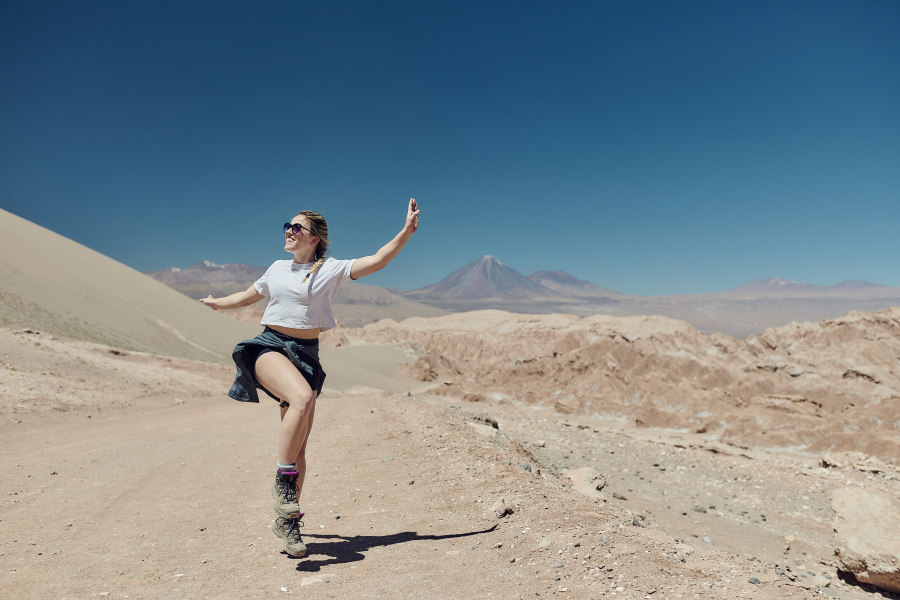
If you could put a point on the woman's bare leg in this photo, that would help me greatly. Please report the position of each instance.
(301, 456)
(278, 375)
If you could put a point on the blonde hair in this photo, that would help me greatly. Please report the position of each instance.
(318, 228)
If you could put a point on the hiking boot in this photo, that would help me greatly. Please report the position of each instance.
(285, 493)
(289, 532)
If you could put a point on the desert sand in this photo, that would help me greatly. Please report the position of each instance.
(126, 474)
(452, 457)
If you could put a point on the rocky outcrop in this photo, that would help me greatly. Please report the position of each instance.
(867, 536)
(830, 386)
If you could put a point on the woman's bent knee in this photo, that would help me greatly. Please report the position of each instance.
(301, 401)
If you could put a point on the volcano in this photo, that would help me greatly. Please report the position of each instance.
(482, 279)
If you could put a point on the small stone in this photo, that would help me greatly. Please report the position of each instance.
(619, 496)
(497, 545)
(336, 517)
(411, 481)
(506, 462)
(527, 467)
(284, 589)
(558, 565)
(753, 580)
(637, 522)
(789, 538)
(540, 443)
(544, 544)
(707, 540)
(387, 459)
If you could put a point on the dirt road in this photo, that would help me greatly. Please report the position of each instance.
(157, 497)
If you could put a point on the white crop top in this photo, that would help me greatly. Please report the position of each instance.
(302, 304)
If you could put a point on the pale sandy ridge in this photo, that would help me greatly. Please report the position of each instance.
(53, 284)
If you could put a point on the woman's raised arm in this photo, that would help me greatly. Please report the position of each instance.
(370, 264)
(238, 300)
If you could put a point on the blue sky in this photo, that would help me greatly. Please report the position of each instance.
(651, 147)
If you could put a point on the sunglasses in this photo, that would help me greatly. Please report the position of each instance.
(296, 228)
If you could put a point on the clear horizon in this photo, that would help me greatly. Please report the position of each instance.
(528, 274)
(653, 149)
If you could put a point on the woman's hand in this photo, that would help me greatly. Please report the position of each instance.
(210, 302)
(367, 265)
(412, 216)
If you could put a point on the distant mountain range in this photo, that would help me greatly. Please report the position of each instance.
(776, 284)
(488, 283)
(567, 285)
(207, 278)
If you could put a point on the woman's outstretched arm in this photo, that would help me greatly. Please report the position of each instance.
(369, 264)
(238, 300)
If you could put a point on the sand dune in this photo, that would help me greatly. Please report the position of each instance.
(53, 284)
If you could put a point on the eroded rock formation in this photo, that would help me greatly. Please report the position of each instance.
(831, 385)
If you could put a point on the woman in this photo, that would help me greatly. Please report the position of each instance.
(283, 361)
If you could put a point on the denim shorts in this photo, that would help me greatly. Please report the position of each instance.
(308, 360)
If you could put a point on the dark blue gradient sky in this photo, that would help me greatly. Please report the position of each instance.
(656, 148)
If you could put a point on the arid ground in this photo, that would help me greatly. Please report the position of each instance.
(132, 475)
(457, 456)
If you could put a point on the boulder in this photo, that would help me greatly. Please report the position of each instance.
(867, 536)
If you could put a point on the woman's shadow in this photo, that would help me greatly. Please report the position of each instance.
(350, 549)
